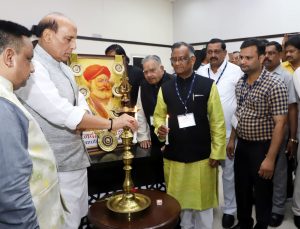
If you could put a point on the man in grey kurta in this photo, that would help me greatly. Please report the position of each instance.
(52, 97)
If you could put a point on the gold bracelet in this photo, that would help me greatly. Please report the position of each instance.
(293, 140)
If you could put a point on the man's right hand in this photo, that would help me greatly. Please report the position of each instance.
(125, 120)
(145, 144)
(162, 132)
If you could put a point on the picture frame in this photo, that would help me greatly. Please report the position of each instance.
(98, 78)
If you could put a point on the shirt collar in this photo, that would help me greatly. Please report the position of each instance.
(38, 50)
(6, 84)
(263, 73)
(277, 70)
(182, 80)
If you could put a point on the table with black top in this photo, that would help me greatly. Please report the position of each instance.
(106, 172)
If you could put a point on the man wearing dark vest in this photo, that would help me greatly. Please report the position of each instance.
(155, 76)
(189, 116)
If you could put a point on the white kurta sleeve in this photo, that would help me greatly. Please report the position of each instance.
(41, 94)
(82, 103)
(296, 79)
(143, 133)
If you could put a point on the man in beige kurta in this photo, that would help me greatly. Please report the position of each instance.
(29, 189)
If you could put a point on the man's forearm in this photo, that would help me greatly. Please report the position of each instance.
(93, 122)
(232, 134)
(293, 120)
(277, 137)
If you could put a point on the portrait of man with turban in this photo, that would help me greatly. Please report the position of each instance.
(98, 81)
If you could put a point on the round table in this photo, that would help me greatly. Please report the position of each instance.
(162, 213)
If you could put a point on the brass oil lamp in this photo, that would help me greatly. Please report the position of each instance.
(128, 201)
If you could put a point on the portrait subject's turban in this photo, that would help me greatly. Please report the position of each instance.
(92, 71)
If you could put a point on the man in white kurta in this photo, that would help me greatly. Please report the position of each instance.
(225, 75)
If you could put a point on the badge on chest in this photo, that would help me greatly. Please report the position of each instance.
(186, 120)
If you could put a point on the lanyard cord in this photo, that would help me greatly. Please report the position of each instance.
(208, 71)
(183, 102)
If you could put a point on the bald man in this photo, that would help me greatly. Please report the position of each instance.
(52, 97)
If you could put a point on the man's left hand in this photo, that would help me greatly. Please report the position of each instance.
(291, 149)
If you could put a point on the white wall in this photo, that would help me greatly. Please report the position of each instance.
(161, 21)
(235, 46)
(134, 20)
(200, 20)
(96, 47)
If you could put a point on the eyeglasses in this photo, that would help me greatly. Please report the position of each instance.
(181, 59)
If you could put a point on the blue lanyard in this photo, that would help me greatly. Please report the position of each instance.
(219, 75)
(188, 95)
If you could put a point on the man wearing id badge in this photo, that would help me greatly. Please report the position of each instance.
(189, 116)
(259, 124)
(225, 75)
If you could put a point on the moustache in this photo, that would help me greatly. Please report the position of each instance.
(213, 58)
(104, 88)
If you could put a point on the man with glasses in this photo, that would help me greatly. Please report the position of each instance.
(289, 146)
(52, 97)
(195, 130)
(225, 75)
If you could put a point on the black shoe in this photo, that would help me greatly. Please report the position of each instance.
(260, 225)
(297, 221)
(227, 220)
(239, 226)
(236, 226)
(276, 220)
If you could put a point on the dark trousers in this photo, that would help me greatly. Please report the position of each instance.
(248, 184)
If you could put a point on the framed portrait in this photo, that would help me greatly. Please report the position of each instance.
(98, 78)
